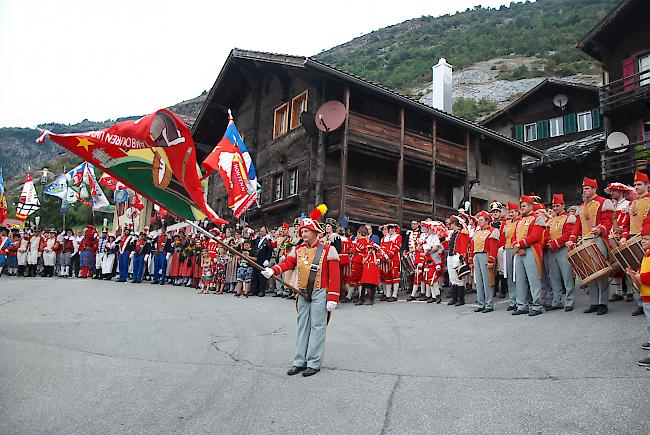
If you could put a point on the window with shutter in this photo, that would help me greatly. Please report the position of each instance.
(628, 70)
(595, 117)
(556, 127)
(570, 123)
(519, 132)
(542, 129)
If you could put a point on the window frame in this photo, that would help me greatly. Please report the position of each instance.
(486, 155)
(278, 193)
(644, 75)
(532, 125)
(560, 123)
(591, 121)
(295, 117)
(295, 187)
(284, 128)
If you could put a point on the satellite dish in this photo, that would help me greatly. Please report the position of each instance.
(330, 116)
(560, 100)
(617, 140)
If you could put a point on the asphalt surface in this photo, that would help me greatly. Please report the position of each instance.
(82, 356)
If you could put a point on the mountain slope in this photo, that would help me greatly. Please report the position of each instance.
(401, 56)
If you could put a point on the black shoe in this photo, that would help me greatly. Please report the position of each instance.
(591, 309)
(277, 295)
(430, 300)
(438, 299)
(548, 307)
(638, 312)
(452, 302)
(568, 308)
(511, 307)
(645, 346)
(459, 303)
(261, 295)
(534, 313)
(295, 370)
(602, 309)
(478, 309)
(309, 372)
(645, 362)
(518, 312)
(410, 298)
(488, 310)
(558, 307)
(616, 297)
(383, 298)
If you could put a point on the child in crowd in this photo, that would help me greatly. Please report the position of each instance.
(370, 275)
(206, 283)
(220, 269)
(244, 271)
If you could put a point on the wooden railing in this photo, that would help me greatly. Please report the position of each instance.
(384, 137)
(625, 160)
(624, 91)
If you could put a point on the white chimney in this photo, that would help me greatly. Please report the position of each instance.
(441, 98)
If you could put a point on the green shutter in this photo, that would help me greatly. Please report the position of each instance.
(595, 118)
(570, 123)
(519, 132)
(542, 129)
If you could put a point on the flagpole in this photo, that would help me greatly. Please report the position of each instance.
(241, 255)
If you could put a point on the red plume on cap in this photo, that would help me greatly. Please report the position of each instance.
(640, 176)
(513, 205)
(318, 212)
(558, 198)
(526, 198)
(645, 228)
(589, 183)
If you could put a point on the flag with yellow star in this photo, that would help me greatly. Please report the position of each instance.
(153, 155)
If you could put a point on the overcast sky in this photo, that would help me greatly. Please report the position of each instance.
(69, 60)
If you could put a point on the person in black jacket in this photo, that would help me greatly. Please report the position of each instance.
(142, 251)
(262, 252)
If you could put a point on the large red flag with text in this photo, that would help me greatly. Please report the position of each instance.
(154, 155)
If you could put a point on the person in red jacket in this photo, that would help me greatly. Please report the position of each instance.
(391, 244)
(483, 251)
(527, 247)
(325, 283)
(357, 253)
(371, 274)
(458, 250)
(560, 227)
(594, 221)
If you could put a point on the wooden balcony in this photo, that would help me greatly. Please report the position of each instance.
(626, 91)
(375, 136)
(625, 160)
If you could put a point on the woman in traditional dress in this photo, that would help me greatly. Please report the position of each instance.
(109, 259)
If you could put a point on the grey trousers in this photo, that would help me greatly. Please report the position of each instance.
(483, 290)
(599, 289)
(510, 266)
(561, 277)
(527, 280)
(312, 322)
(547, 293)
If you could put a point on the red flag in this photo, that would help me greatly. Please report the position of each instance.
(154, 155)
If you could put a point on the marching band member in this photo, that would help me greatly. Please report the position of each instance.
(126, 243)
(418, 278)
(594, 220)
(282, 245)
(344, 261)
(318, 271)
(390, 245)
(482, 251)
(49, 248)
(507, 232)
(639, 209)
(560, 227)
(526, 244)
(411, 240)
(620, 231)
(33, 252)
(498, 218)
(432, 264)
(371, 275)
(162, 248)
(23, 250)
(458, 247)
(358, 251)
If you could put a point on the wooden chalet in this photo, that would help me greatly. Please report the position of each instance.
(621, 42)
(393, 159)
(562, 119)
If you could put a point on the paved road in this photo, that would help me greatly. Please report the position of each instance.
(99, 357)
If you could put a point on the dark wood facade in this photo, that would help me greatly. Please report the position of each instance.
(570, 145)
(393, 159)
(621, 41)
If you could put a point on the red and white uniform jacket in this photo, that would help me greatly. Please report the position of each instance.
(621, 224)
(559, 230)
(461, 244)
(371, 272)
(390, 246)
(485, 240)
(344, 255)
(413, 237)
(329, 271)
(358, 250)
(598, 212)
(638, 211)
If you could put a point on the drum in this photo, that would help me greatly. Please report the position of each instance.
(629, 254)
(588, 262)
(408, 263)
